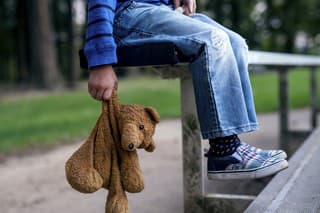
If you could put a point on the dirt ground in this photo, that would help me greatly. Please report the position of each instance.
(36, 183)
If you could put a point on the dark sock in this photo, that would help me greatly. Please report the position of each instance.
(220, 147)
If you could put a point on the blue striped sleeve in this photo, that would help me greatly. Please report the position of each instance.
(100, 47)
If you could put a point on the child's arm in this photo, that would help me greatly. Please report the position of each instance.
(100, 48)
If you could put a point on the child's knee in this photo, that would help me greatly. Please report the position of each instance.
(218, 40)
(237, 40)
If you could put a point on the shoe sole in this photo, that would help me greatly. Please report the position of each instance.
(251, 173)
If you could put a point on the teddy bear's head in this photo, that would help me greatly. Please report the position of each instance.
(137, 127)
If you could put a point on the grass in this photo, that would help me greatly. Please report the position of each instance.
(265, 89)
(69, 116)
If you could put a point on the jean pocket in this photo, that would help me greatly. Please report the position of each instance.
(122, 11)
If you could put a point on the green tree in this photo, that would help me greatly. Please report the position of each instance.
(43, 52)
(269, 24)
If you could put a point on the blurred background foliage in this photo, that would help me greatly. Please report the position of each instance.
(272, 25)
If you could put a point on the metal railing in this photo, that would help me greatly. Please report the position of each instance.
(282, 63)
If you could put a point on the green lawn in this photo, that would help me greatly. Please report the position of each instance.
(265, 89)
(69, 116)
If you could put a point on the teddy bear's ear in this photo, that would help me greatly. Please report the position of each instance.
(153, 114)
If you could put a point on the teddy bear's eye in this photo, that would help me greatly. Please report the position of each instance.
(141, 127)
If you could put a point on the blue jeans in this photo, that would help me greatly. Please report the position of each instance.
(219, 64)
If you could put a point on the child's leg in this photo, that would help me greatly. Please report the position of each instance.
(221, 100)
(221, 83)
(240, 50)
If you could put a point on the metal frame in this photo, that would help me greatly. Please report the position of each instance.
(196, 200)
(285, 133)
(281, 62)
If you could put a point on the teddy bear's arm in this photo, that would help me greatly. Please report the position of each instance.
(80, 171)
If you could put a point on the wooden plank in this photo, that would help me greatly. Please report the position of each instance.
(192, 150)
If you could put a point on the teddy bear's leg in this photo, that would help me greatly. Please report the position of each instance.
(131, 175)
(102, 151)
(80, 171)
(117, 201)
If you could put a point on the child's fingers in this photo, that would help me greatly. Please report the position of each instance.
(176, 3)
(190, 6)
(187, 11)
(99, 95)
(92, 92)
(115, 81)
(194, 7)
(107, 94)
(116, 85)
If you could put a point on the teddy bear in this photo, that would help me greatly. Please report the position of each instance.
(109, 159)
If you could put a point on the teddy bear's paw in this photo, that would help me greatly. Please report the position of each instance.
(132, 181)
(117, 204)
(85, 181)
(134, 187)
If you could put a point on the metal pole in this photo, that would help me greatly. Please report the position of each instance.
(314, 102)
(284, 108)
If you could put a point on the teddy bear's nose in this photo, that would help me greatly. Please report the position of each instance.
(131, 146)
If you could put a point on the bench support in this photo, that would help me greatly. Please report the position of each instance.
(286, 134)
(196, 199)
(192, 150)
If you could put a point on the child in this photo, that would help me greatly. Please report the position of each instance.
(219, 71)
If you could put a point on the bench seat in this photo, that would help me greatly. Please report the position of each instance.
(149, 54)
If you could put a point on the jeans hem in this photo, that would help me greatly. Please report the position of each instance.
(230, 131)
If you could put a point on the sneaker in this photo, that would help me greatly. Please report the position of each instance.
(244, 163)
(266, 153)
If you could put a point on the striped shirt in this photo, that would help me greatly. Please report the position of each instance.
(100, 47)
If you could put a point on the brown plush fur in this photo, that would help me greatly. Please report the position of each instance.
(108, 159)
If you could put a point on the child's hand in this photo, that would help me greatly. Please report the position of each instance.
(188, 6)
(102, 81)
